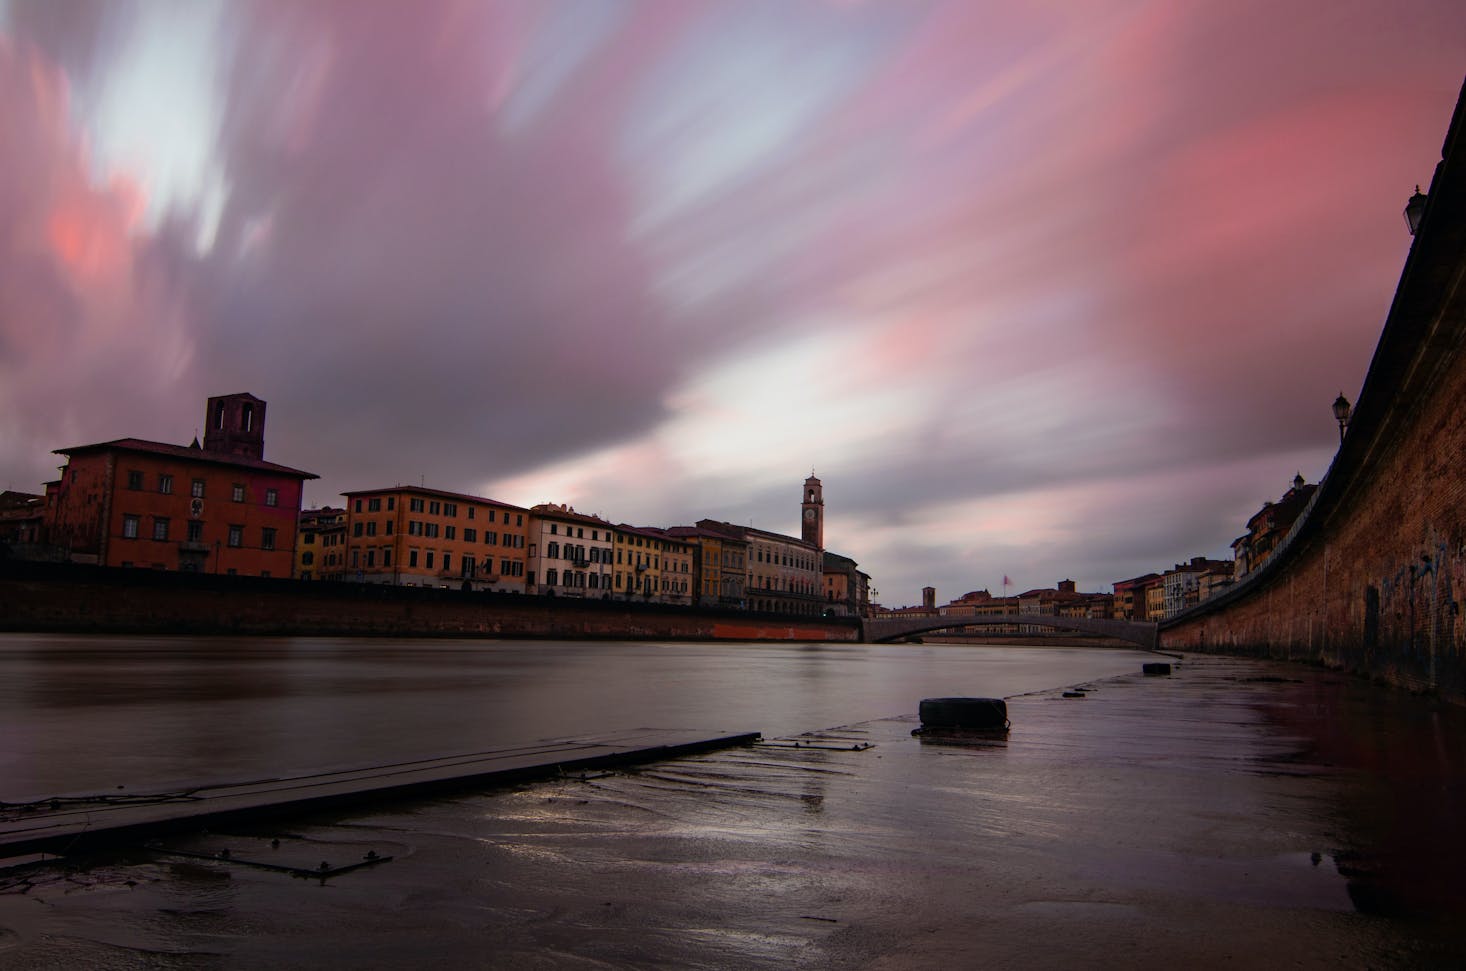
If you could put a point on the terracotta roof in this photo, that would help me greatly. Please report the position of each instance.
(435, 493)
(187, 453)
(548, 510)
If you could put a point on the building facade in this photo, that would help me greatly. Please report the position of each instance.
(571, 554)
(320, 552)
(218, 507)
(420, 537)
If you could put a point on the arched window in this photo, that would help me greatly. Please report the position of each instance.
(247, 418)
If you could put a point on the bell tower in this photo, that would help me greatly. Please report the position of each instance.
(235, 425)
(812, 525)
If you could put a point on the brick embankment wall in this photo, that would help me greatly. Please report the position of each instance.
(39, 597)
(1372, 577)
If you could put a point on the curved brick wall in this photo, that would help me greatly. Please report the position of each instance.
(1373, 576)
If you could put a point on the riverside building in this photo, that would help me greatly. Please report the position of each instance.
(570, 553)
(215, 507)
(419, 537)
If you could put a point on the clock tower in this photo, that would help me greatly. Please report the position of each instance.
(812, 527)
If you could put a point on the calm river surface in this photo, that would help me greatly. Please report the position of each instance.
(92, 714)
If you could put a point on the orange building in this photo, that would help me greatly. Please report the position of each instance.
(419, 537)
(218, 507)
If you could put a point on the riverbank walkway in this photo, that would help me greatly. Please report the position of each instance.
(1235, 813)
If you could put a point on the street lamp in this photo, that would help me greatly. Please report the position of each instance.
(1341, 414)
(1414, 209)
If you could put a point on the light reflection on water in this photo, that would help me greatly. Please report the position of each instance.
(91, 714)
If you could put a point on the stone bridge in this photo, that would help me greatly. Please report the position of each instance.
(886, 629)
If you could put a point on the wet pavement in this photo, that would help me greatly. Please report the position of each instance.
(1236, 813)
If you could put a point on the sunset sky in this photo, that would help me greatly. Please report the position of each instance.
(1046, 290)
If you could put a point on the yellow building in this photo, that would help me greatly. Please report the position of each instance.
(320, 546)
(420, 537)
(677, 581)
(639, 555)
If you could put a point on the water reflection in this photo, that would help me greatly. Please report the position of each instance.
(86, 714)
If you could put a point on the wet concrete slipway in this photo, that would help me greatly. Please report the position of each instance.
(1234, 814)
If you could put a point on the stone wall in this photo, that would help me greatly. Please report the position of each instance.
(40, 597)
(1372, 576)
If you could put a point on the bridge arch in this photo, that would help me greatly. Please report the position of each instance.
(877, 629)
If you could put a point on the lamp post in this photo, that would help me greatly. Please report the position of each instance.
(1414, 209)
(1341, 414)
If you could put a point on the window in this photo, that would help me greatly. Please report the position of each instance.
(129, 527)
(371, 558)
(387, 556)
(238, 495)
(134, 480)
(554, 529)
(356, 529)
(236, 535)
(414, 528)
(491, 516)
(372, 528)
(414, 505)
(552, 551)
(450, 532)
(160, 527)
(391, 503)
(272, 497)
(491, 538)
(389, 527)
(447, 562)
(357, 507)
(429, 561)
(450, 508)
(412, 557)
(433, 507)
(430, 529)
(374, 505)
(471, 510)
(306, 559)
(197, 489)
(165, 484)
(267, 538)
(195, 532)
(470, 535)
(552, 577)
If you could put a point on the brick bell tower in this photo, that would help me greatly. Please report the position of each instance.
(235, 425)
(812, 526)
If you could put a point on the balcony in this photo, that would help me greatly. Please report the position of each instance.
(190, 546)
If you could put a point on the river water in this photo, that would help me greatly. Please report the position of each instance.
(88, 714)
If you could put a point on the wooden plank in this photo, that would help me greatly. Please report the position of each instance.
(83, 824)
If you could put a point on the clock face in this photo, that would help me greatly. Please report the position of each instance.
(809, 514)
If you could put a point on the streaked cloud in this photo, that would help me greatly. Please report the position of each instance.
(1043, 290)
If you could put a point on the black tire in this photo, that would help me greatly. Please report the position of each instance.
(973, 714)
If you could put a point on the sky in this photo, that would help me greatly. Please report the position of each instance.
(1039, 290)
